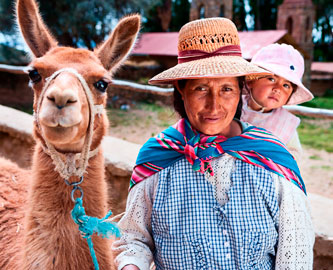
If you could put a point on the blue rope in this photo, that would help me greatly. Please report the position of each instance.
(90, 225)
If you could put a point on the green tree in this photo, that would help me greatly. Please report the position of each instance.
(323, 44)
(239, 14)
(7, 19)
(82, 23)
(264, 13)
(151, 22)
(180, 13)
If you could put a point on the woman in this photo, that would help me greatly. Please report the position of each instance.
(212, 192)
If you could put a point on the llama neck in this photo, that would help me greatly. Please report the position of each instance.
(50, 188)
(50, 233)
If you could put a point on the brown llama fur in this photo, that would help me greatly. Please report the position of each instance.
(36, 228)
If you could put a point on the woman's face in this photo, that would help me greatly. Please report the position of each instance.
(271, 92)
(211, 104)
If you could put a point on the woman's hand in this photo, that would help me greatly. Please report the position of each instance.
(130, 267)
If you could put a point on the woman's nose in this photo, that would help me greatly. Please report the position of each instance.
(213, 102)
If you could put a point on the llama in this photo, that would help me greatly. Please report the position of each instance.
(36, 228)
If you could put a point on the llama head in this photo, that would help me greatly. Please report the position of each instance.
(68, 83)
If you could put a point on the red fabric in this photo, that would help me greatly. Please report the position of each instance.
(191, 55)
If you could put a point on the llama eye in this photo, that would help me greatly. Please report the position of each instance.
(101, 85)
(34, 76)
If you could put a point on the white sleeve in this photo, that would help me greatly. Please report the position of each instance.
(136, 244)
(296, 233)
(295, 147)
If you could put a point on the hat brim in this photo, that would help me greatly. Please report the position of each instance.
(211, 67)
(302, 94)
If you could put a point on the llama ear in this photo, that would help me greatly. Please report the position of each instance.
(33, 29)
(115, 49)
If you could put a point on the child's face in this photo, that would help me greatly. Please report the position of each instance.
(270, 92)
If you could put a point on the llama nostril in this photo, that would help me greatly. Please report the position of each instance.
(71, 101)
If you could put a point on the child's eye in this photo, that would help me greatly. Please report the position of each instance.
(271, 79)
(286, 86)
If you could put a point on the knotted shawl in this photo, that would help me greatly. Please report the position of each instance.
(255, 146)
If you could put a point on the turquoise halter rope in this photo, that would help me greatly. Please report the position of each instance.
(90, 225)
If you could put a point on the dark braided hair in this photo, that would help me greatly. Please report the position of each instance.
(178, 102)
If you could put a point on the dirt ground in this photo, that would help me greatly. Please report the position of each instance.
(317, 171)
(316, 165)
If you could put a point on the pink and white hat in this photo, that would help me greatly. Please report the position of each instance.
(285, 61)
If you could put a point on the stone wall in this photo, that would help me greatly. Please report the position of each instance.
(16, 143)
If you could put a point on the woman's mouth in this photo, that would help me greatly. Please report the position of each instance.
(211, 118)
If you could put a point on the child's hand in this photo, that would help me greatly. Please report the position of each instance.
(130, 267)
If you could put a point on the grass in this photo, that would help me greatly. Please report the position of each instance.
(316, 136)
(143, 114)
(119, 117)
(324, 167)
(164, 114)
(315, 157)
(320, 102)
(324, 102)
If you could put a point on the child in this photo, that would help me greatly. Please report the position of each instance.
(262, 105)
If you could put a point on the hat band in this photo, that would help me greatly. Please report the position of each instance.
(191, 55)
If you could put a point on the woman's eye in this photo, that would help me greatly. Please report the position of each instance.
(200, 88)
(101, 85)
(34, 76)
(271, 79)
(227, 89)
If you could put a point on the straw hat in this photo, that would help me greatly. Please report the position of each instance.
(286, 62)
(208, 48)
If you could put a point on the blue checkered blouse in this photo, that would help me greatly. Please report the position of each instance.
(192, 230)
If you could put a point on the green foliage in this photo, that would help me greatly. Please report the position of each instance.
(320, 102)
(11, 56)
(329, 93)
(264, 13)
(152, 22)
(77, 23)
(323, 52)
(323, 46)
(6, 16)
(180, 14)
(239, 15)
